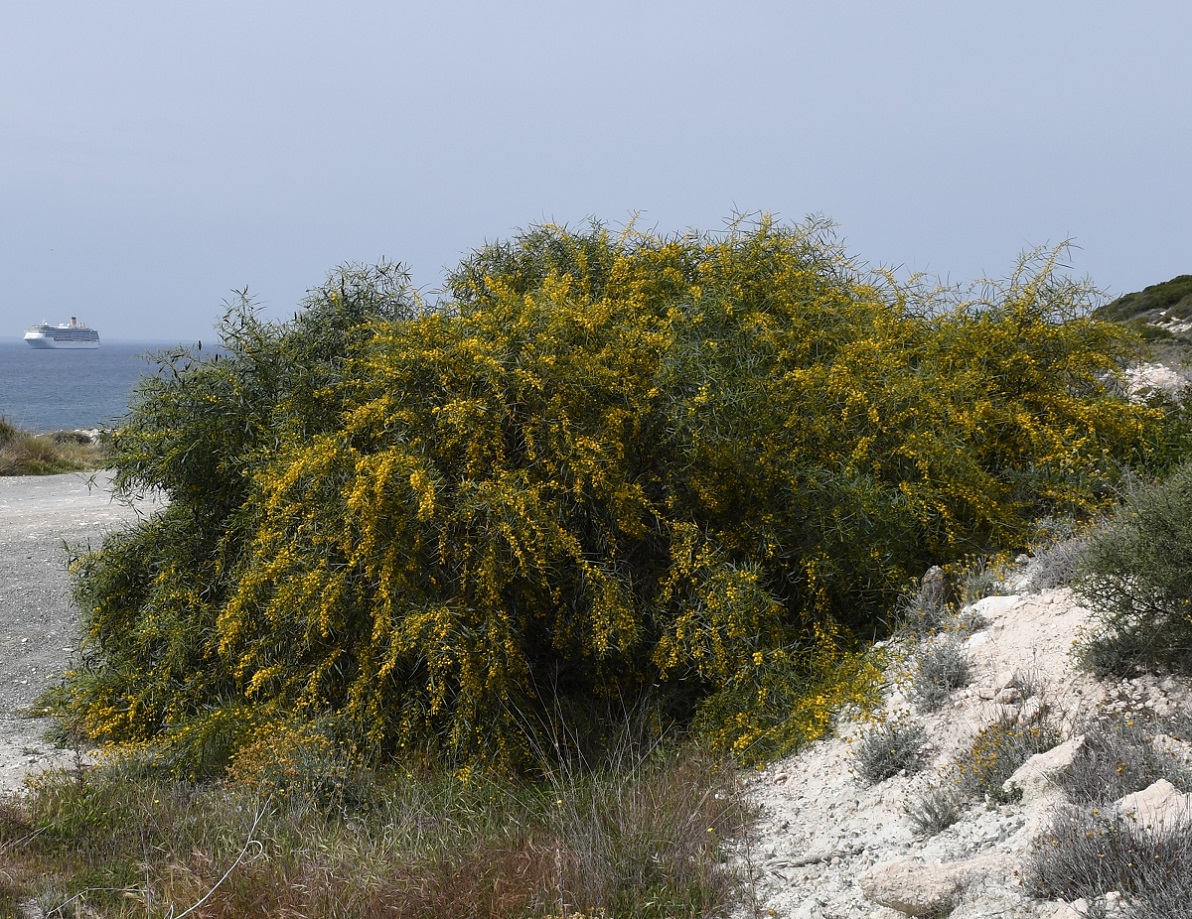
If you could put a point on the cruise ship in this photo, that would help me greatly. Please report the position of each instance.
(64, 335)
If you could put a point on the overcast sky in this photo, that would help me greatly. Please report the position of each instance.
(157, 156)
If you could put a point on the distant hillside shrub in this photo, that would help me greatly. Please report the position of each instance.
(604, 467)
(1172, 299)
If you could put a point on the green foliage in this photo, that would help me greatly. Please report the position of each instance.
(22, 453)
(1170, 299)
(691, 467)
(1137, 579)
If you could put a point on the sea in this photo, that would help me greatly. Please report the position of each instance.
(70, 389)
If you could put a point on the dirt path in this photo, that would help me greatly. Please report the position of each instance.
(40, 517)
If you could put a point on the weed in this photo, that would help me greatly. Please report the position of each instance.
(24, 453)
(642, 837)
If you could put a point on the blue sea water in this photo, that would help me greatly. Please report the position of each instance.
(54, 390)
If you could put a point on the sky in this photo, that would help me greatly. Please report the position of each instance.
(156, 158)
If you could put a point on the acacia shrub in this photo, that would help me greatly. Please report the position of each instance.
(196, 430)
(609, 466)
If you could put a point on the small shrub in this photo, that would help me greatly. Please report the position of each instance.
(1137, 579)
(1088, 854)
(924, 609)
(981, 577)
(941, 669)
(1118, 758)
(888, 749)
(1057, 565)
(969, 621)
(998, 750)
(304, 765)
(936, 810)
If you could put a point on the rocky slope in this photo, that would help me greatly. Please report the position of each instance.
(832, 845)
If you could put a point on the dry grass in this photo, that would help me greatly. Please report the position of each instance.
(645, 839)
(22, 453)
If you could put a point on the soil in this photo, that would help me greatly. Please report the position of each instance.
(44, 522)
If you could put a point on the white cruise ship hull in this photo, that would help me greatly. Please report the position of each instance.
(72, 335)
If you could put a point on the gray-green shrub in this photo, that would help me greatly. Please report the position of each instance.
(1137, 578)
(941, 669)
(890, 748)
(1087, 854)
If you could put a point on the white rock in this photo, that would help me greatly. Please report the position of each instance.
(1077, 909)
(1031, 711)
(1004, 680)
(990, 607)
(1156, 806)
(918, 889)
(1037, 777)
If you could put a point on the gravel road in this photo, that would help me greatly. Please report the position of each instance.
(40, 517)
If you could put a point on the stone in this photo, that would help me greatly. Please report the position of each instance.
(1077, 909)
(1045, 815)
(1032, 711)
(911, 888)
(991, 607)
(1037, 777)
(1156, 806)
(917, 889)
(1004, 680)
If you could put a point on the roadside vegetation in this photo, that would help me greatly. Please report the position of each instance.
(24, 453)
(421, 565)
(642, 836)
